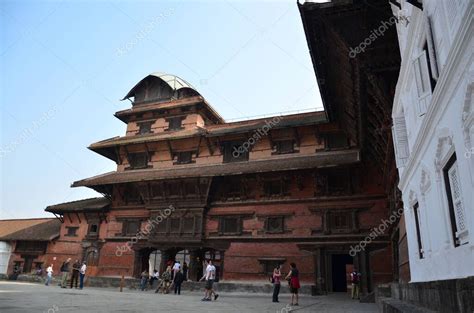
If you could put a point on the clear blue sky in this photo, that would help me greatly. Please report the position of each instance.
(65, 65)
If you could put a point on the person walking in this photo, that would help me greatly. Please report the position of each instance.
(82, 274)
(355, 280)
(210, 277)
(276, 282)
(49, 274)
(75, 273)
(293, 276)
(65, 272)
(144, 279)
(177, 281)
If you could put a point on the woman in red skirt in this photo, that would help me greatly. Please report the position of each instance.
(294, 280)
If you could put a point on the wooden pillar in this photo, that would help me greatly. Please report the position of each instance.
(364, 270)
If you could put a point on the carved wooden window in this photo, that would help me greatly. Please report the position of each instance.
(174, 188)
(455, 200)
(230, 226)
(235, 152)
(284, 146)
(130, 227)
(184, 157)
(189, 188)
(340, 222)
(188, 225)
(138, 160)
(416, 211)
(338, 182)
(175, 225)
(336, 141)
(275, 187)
(175, 123)
(145, 127)
(275, 224)
(157, 190)
(31, 246)
(71, 231)
(132, 195)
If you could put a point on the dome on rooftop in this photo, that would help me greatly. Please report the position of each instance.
(160, 86)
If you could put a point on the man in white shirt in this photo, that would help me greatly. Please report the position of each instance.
(176, 268)
(210, 277)
(82, 273)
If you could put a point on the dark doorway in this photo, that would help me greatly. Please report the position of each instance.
(339, 271)
(27, 267)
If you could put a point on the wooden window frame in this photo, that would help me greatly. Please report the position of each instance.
(171, 123)
(227, 152)
(145, 127)
(223, 232)
(267, 225)
(69, 233)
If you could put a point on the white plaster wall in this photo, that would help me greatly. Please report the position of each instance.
(5, 252)
(452, 26)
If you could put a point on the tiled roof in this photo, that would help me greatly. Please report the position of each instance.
(92, 204)
(277, 163)
(44, 229)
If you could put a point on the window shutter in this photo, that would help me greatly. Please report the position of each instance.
(459, 213)
(431, 48)
(400, 138)
(423, 83)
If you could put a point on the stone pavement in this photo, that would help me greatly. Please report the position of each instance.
(29, 297)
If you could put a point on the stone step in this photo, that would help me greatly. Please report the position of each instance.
(390, 305)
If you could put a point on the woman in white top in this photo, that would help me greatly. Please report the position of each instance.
(49, 274)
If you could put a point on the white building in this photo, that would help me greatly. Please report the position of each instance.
(433, 134)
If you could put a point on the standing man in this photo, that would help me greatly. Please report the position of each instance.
(185, 271)
(65, 272)
(177, 281)
(82, 273)
(75, 273)
(49, 274)
(355, 280)
(210, 277)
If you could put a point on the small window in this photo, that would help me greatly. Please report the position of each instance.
(93, 230)
(340, 221)
(274, 224)
(130, 227)
(235, 152)
(336, 141)
(284, 146)
(229, 225)
(416, 211)
(144, 128)
(175, 123)
(138, 160)
(184, 157)
(71, 231)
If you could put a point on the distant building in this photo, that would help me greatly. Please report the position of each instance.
(248, 195)
(26, 243)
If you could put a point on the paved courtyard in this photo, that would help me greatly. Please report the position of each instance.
(28, 297)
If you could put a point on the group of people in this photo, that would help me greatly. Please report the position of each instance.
(77, 273)
(171, 277)
(175, 275)
(293, 282)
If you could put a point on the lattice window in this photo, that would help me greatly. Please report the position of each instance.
(144, 127)
(230, 225)
(400, 138)
(138, 160)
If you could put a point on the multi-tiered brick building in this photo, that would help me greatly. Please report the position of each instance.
(246, 194)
